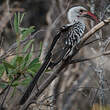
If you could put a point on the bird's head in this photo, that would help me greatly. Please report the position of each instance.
(80, 13)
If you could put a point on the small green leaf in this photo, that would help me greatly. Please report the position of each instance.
(15, 83)
(32, 72)
(18, 19)
(27, 31)
(8, 65)
(3, 85)
(33, 62)
(16, 25)
(34, 65)
(13, 61)
(28, 45)
(22, 16)
(2, 69)
(19, 60)
(26, 59)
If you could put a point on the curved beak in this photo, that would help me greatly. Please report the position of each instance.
(90, 15)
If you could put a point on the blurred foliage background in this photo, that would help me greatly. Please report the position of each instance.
(27, 28)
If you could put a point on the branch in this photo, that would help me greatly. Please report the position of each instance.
(93, 30)
(73, 61)
(65, 63)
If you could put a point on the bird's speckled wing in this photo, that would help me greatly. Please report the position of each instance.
(70, 36)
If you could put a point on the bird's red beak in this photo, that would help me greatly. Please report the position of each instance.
(90, 15)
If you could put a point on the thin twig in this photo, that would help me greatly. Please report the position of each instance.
(91, 58)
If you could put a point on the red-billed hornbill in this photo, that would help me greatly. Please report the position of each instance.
(68, 37)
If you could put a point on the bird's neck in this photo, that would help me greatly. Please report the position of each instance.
(78, 21)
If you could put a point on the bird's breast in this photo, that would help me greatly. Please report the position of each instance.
(74, 34)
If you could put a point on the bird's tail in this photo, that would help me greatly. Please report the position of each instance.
(34, 81)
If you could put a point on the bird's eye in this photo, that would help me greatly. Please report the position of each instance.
(81, 10)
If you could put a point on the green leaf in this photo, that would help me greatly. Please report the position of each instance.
(28, 45)
(26, 59)
(27, 31)
(8, 65)
(33, 62)
(19, 60)
(22, 16)
(13, 61)
(2, 69)
(3, 85)
(18, 19)
(15, 83)
(16, 24)
(32, 72)
(34, 65)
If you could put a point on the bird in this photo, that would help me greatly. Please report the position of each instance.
(68, 37)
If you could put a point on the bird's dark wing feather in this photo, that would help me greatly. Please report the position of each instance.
(70, 37)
